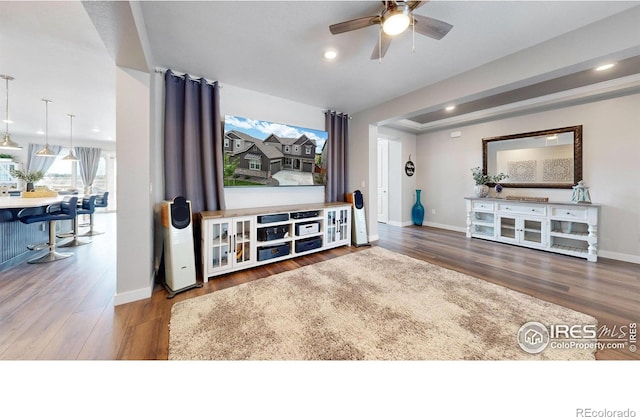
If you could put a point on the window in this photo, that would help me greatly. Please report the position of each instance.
(226, 142)
(307, 150)
(287, 149)
(65, 175)
(296, 148)
(255, 165)
(238, 143)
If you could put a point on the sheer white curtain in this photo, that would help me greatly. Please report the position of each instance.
(89, 159)
(40, 163)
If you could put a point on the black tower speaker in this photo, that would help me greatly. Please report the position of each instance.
(180, 213)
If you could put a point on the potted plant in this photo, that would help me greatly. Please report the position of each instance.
(481, 179)
(29, 177)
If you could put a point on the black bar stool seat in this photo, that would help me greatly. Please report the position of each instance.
(87, 206)
(65, 210)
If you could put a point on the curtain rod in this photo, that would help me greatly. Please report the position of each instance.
(160, 70)
(337, 112)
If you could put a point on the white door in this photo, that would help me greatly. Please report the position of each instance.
(383, 180)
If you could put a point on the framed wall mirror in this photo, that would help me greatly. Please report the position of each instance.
(543, 159)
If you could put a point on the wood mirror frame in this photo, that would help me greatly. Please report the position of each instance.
(522, 141)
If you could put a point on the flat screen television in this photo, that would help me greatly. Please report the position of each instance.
(258, 153)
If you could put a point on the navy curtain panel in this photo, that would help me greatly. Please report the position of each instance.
(193, 142)
(337, 124)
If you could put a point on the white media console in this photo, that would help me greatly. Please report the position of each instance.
(232, 240)
(566, 228)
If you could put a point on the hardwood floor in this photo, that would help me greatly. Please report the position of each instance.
(64, 310)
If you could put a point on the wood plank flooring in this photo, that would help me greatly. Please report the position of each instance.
(64, 310)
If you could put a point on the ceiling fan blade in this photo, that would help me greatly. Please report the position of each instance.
(430, 27)
(381, 48)
(416, 4)
(349, 25)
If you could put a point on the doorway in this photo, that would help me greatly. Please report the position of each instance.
(383, 180)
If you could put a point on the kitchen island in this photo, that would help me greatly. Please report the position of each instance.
(15, 235)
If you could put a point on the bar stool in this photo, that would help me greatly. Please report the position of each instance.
(87, 206)
(65, 210)
(101, 201)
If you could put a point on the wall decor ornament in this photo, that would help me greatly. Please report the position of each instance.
(409, 167)
(417, 211)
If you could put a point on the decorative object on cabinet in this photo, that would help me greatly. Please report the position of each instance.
(551, 226)
(417, 211)
(481, 179)
(542, 159)
(581, 194)
(242, 238)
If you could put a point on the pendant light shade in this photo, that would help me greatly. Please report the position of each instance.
(71, 157)
(46, 151)
(7, 143)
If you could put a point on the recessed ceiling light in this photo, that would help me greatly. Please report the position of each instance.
(95, 129)
(330, 54)
(605, 67)
(450, 108)
(40, 132)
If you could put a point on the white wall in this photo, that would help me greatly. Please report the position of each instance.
(610, 168)
(135, 211)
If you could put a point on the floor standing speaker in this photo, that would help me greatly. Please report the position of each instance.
(359, 221)
(179, 253)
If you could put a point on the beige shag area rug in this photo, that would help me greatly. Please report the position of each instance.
(373, 305)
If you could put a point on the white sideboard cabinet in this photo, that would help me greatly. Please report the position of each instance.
(232, 240)
(566, 228)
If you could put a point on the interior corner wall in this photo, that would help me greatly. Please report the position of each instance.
(610, 168)
(235, 101)
(134, 278)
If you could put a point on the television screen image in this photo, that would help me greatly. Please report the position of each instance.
(260, 153)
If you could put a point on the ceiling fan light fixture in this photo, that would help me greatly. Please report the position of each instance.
(397, 22)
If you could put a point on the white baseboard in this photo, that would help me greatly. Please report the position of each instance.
(446, 227)
(135, 295)
(619, 256)
(399, 224)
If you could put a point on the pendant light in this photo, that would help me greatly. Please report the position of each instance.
(7, 143)
(46, 151)
(71, 157)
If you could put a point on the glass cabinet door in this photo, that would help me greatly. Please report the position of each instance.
(219, 244)
(532, 231)
(243, 245)
(337, 225)
(507, 228)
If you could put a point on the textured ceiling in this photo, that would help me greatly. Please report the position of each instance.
(54, 51)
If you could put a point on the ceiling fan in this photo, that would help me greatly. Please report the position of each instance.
(394, 19)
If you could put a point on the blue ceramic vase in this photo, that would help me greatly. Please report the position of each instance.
(417, 212)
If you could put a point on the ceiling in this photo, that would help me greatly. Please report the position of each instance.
(54, 51)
